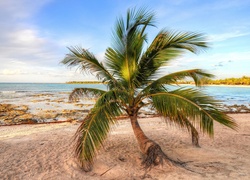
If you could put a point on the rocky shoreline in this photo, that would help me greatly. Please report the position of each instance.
(14, 114)
(52, 108)
(42, 108)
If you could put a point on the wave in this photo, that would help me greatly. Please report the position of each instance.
(29, 91)
(8, 92)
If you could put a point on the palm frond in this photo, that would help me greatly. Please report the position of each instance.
(94, 130)
(160, 84)
(195, 106)
(135, 23)
(183, 122)
(207, 104)
(196, 74)
(120, 96)
(191, 41)
(77, 93)
(129, 37)
(167, 46)
(86, 62)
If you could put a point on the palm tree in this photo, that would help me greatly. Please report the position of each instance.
(131, 72)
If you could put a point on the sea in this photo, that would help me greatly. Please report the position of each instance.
(229, 95)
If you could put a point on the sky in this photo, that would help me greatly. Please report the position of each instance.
(35, 34)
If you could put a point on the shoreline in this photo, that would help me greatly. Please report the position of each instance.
(46, 107)
(11, 114)
(121, 118)
(220, 85)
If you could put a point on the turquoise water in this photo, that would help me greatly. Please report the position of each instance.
(229, 95)
(11, 91)
(43, 87)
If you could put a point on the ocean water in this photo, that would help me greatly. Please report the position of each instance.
(17, 90)
(230, 95)
(43, 87)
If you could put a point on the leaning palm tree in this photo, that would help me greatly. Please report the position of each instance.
(132, 73)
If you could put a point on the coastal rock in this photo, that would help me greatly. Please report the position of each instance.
(15, 114)
(74, 114)
(12, 109)
(42, 95)
(147, 113)
(80, 105)
(41, 100)
(22, 108)
(236, 108)
(58, 100)
(47, 115)
(5, 107)
(60, 115)
(25, 118)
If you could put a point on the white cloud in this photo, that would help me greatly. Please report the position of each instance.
(27, 37)
(10, 72)
(25, 53)
(226, 36)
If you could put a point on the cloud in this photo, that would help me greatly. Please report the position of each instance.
(10, 72)
(24, 50)
(226, 36)
(222, 63)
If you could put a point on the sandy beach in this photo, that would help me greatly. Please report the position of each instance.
(44, 151)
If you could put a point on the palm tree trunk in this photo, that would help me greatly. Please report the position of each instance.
(143, 141)
(153, 155)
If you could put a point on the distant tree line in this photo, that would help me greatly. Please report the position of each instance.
(228, 81)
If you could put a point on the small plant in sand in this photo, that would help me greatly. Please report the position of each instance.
(135, 79)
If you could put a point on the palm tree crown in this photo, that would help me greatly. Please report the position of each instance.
(132, 74)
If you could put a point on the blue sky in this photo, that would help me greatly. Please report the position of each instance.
(34, 34)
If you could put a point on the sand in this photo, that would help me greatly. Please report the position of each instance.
(44, 151)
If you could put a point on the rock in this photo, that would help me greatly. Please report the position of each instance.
(42, 95)
(45, 115)
(26, 118)
(22, 108)
(49, 115)
(236, 108)
(73, 114)
(58, 100)
(15, 114)
(5, 108)
(79, 105)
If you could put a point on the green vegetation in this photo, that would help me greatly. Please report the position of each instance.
(228, 81)
(130, 71)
